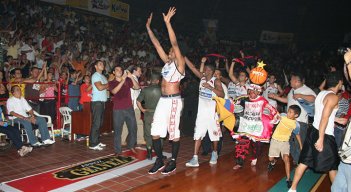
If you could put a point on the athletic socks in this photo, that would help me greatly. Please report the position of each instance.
(157, 147)
(175, 149)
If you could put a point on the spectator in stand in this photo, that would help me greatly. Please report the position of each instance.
(32, 90)
(48, 105)
(4, 94)
(74, 91)
(28, 49)
(17, 80)
(85, 91)
(19, 108)
(79, 65)
(63, 80)
(12, 49)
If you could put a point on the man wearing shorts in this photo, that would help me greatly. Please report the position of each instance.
(319, 149)
(169, 107)
(207, 118)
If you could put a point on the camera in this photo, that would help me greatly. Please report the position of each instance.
(342, 50)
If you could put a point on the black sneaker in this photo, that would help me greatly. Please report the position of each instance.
(157, 166)
(270, 166)
(171, 166)
(288, 183)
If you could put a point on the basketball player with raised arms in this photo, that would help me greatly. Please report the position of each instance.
(168, 109)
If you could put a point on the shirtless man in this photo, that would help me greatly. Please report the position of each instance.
(167, 113)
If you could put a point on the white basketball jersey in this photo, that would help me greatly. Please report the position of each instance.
(170, 73)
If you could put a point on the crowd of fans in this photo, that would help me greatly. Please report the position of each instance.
(49, 43)
(48, 50)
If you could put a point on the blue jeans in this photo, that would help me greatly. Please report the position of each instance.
(294, 144)
(13, 134)
(342, 181)
(42, 126)
(119, 117)
(339, 134)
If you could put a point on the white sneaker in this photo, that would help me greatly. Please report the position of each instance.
(194, 162)
(102, 145)
(37, 144)
(214, 158)
(96, 148)
(29, 149)
(24, 151)
(48, 142)
(21, 152)
(290, 190)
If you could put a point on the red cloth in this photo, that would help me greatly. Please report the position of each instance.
(49, 46)
(347, 96)
(122, 99)
(85, 96)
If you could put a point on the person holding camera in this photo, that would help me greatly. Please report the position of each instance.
(342, 181)
(123, 110)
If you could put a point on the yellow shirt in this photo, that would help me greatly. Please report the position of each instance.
(13, 51)
(284, 129)
(21, 85)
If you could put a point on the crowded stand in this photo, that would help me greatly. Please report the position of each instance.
(53, 57)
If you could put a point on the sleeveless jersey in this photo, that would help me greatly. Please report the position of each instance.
(206, 104)
(170, 73)
(236, 90)
(270, 90)
(319, 106)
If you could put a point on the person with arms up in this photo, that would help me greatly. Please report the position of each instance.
(207, 118)
(167, 113)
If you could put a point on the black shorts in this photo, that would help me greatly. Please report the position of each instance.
(324, 161)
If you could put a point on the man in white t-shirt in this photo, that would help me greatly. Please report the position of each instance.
(299, 91)
(29, 50)
(134, 93)
(22, 112)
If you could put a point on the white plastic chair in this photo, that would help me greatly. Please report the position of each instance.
(37, 133)
(67, 120)
(49, 123)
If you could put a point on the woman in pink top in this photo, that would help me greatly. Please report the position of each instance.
(48, 105)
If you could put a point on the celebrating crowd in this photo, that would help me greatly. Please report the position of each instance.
(95, 59)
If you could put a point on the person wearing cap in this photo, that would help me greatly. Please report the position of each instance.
(254, 125)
